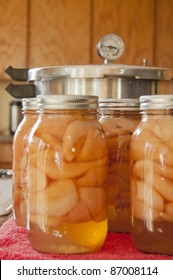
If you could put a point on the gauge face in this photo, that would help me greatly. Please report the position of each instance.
(110, 47)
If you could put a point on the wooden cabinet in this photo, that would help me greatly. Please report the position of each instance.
(13, 34)
(60, 32)
(145, 26)
(65, 32)
(163, 40)
(133, 21)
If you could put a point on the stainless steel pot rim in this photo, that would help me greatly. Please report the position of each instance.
(99, 71)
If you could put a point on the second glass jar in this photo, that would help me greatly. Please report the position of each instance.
(119, 118)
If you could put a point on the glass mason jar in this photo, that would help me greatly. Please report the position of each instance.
(29, 107)
(152, 176)
(119, 118)
(67, 176)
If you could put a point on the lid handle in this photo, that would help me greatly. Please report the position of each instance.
(21, 91)
(17, 74)
(110, 47)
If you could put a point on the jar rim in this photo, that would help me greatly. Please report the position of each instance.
(29, 104)
(164, 101)
(67, 102)
(125, 104)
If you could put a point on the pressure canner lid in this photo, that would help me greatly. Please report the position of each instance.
(106, 80)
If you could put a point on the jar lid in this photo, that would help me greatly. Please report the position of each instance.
(67, 102)
(123, 104)
(156, 102)
(29, 104)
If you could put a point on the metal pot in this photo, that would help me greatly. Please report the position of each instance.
(108, 80)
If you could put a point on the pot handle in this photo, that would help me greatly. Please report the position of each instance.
(18, 74)
(21, 91)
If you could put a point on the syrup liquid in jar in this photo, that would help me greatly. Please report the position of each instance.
(119, 118)
(152, 176)
(67, 176)
(29, 110)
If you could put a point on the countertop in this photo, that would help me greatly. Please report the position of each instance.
(14, 244)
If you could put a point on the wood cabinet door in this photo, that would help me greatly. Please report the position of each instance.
(163, 33)
(65, 32)
(13, 34)
(59, 32)
(133, 21)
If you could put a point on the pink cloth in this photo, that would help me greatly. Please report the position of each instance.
(14, 245)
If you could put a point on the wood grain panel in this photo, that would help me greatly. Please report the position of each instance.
(164, 33)
(59, 32)
(13, 34)
(133, 21)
